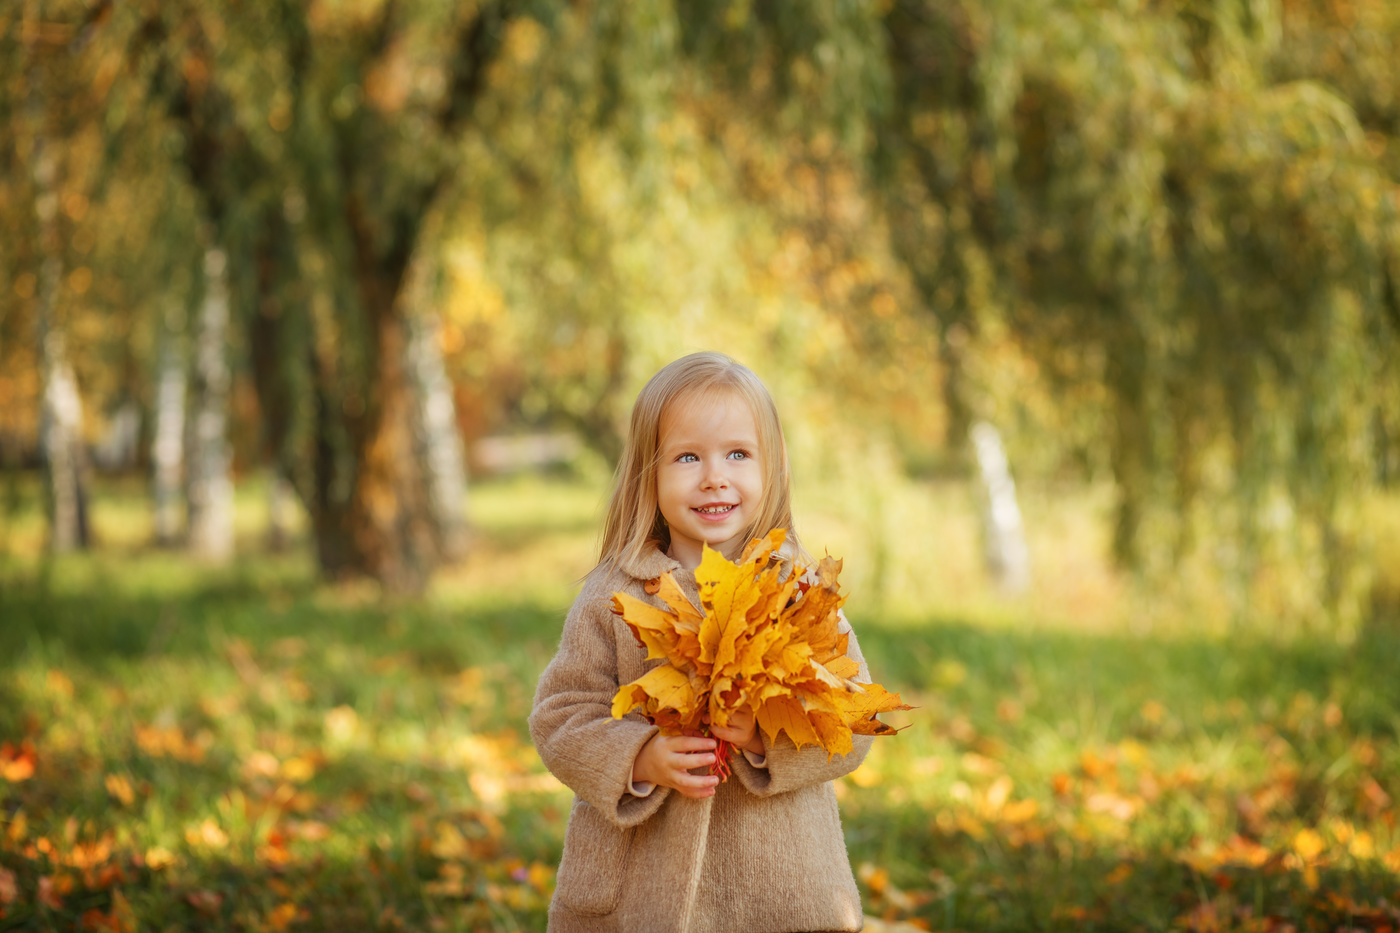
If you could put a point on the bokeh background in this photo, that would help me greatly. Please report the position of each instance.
(319, 327)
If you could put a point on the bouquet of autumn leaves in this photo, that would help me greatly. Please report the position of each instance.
(767, 645)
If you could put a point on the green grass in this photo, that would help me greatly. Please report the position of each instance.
(245, 748)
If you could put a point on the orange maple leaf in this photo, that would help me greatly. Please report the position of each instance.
(762, 643)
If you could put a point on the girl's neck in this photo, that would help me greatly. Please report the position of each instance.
(688, 554)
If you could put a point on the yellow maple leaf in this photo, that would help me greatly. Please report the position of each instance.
(762, 642)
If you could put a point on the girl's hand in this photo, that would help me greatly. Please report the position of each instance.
(668, 760)
(742, 732)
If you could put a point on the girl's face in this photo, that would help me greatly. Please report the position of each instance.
(709, 483)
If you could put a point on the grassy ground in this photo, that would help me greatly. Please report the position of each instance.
(243, 748)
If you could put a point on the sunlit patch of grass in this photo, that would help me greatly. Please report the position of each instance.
(246, 748)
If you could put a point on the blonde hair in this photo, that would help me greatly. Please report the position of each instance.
(634, 520)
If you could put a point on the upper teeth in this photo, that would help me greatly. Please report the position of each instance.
(715, 508)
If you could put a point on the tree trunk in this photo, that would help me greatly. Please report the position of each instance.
(279, 507)
(62, 442)
(1004, 537)
(389, 518)
(437, 440)
(61, 421)
(210, 482)
(370, 496)
(168, 437)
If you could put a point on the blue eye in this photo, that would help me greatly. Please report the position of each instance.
(687, 458)
(738, 455)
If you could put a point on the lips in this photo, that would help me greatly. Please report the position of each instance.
(715, 509)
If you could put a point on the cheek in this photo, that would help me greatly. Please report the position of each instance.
(667, 489)
(755, 482)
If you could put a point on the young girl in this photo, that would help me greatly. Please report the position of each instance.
(655, 843)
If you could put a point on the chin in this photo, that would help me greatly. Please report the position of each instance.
(718, 544)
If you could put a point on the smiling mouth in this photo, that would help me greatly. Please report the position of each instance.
(714, 509)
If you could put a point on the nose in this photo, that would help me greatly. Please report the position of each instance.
(715, 477)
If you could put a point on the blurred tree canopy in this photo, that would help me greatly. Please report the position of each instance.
(1154, 240)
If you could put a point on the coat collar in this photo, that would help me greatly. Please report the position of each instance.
(649, 564)
(653, 562)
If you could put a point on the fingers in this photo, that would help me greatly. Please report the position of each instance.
(676, 756)
(689, 761)
(741, 718)
(731, 734)
(696, 794)
(695, 785)
(740, 730)
(684, 754)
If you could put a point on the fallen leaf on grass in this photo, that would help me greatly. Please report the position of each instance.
(96, 920)
(341, 724)
(170, 742)
(1203, 918)
(540, 877)
(282, 916)
(120, 789)
(119, 920)
(260, 764)
(17, 761)
(876, 879)
(122, 913)
(1114, 805)
(1119, 875)
(1095, 767)
(309, 830)
(1375, 795)
(158, 857)
(1019, 811)
(1309, 844)
(206, 835)
(997, 795)
(299, 770)
(52, 889)
(206, 902)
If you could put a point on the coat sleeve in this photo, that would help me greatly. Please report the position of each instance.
(572, 723)
(788, 767)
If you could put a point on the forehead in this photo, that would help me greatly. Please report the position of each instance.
(718, 413)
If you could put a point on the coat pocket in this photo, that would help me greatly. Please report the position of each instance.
(594, 862)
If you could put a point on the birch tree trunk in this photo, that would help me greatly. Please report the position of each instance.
(168, 437)
(1004, 537)
(210, 482)
(437, 439)
(61, 418)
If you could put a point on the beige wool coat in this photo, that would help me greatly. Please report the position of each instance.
(765, 854)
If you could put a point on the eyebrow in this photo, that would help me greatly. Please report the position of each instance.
(683, 446)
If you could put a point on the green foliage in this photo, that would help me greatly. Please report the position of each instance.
(679, 222)
(1153, 240)
(1185, 231)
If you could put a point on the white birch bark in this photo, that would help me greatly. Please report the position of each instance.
(61, 416)
(116, 448)
(168, 437)
(210, 461)
(1004, 538)
(438, 441)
